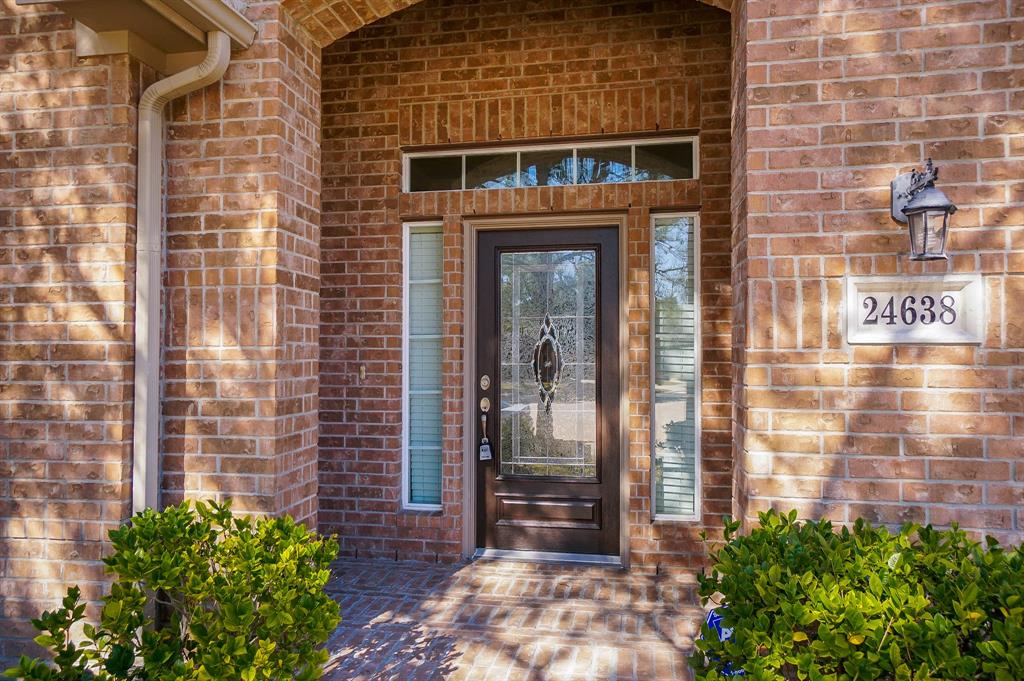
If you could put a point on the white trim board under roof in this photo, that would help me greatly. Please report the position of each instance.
(169, 35)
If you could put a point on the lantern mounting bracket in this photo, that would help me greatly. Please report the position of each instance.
(906, 185)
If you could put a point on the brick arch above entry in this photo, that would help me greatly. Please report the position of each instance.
(329, 20)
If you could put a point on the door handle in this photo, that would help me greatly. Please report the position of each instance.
(485, 407)
(485, 444)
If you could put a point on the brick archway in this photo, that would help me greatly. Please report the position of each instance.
(329, 20)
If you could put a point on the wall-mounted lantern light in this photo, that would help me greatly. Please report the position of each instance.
(917, 203)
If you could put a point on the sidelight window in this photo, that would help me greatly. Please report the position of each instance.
(675, 408)
(421, 375)
(552, 165)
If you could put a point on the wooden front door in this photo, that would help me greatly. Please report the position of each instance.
(548, 364)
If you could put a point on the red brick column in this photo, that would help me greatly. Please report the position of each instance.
(241, 310)
(242, 298)
(67, 213)
(841, 98)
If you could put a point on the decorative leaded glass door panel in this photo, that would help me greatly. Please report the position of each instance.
(548, 344)
(548, 417)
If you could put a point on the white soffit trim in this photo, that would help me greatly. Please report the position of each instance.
(166, 34)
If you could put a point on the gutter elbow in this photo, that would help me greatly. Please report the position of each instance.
(209, 70)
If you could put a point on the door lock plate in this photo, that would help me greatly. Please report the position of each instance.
(485, 382)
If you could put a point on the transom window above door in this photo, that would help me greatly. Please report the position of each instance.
(552, 165)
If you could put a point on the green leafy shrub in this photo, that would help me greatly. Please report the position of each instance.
(808, 602)
(201, 595)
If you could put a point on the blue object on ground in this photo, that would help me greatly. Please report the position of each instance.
(714, 622)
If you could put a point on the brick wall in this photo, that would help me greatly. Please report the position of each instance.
(240, 350)
(480, 72)
(67, 213)
(842, 97)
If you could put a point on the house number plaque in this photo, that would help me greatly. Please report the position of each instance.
(922, 310)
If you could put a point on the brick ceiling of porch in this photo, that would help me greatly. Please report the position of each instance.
(329, 20)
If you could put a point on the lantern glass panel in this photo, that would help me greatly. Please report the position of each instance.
(937, 230)
(928, 234)
(916, 225)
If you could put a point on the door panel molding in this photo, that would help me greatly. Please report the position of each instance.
(471, 228)
(534, 511)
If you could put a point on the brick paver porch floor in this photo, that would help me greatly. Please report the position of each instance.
(491, 620)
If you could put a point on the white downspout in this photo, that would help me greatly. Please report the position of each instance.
(148, 262)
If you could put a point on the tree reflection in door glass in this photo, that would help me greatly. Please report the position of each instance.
(546, 168)
(601, 165)
(490, 171)
(557, 435)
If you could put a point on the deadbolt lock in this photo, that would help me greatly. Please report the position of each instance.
(485, 382)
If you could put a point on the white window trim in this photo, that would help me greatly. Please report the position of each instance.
(547, 146)
(698, 360)
(407, 229)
